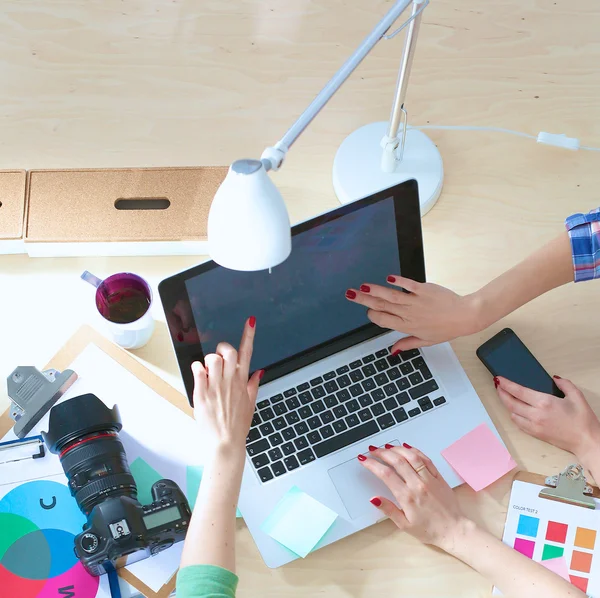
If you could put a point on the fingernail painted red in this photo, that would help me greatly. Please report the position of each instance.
(406, 445)
(350, 294)
(372, 448)
(365, 288)
(389, 446)
(375, 501)
(252, 321)
(557, 377)
(391, 279)
(396, 352)
(496, 382)
(261, 374)
(362, 458)
(180, 337)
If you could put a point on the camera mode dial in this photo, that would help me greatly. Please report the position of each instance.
(89, 543)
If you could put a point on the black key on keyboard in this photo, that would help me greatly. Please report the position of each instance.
(318, 392)
(390, 389)
(305, 457)
(381, 379)
(253, 435)
(292, 403)
(258, 447)
(292, 418)
(368, 358)
(266, 429)
(381, 353)
(356, 376)
(418, 362)
(340, 411)
(415, 378)
(331, 386)
(329, 376)
(302, 387)
(339, 426)
(280, 409)
(301, 428)
(260, 460)
(414, 412)
(275, 454)
(346, 438)
(365, 415)
(278, 468)
(318, 406)
(343, 370)
(425, 403)
(331, 401)
(256, 420)
(393, 359)
(279, 423)
(288, 434)
(355, 390)
(301, 443)
(314, 423)
(316, 381)
(305, 397)
(440, 401)
(377, 409)
(394, 373)
(423, 389)
(390, 404)
(381, 364)
(327, 432)
(263, 404)
(277, 398)
(378, 394)
(352, 406)
(403, 398)
(368, 384)
(276, 439)
(290, 392)
(406, 368)
(406, 355)
(402, 384)
(265, 474)
(305, 412)
(291, 463)
(352, 420)
(327, 417)
(369, 370)
(386, 421)
(344, 381)
(288, 448)
(426, 373)
(400, 415)
(356, 364)
(365, 401)
(313, 437)
(343, 395)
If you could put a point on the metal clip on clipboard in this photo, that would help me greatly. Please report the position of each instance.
(21, 450)
(569, 487)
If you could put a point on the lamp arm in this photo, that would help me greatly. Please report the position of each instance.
(273, 157)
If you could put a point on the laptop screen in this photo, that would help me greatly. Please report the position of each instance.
(300, 305)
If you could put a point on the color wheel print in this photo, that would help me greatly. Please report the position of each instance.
(38, 522)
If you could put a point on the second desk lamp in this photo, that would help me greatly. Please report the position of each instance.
(248, 223)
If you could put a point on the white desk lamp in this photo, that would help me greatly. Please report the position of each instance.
(248, 223)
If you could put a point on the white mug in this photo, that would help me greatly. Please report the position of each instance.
(123, 301)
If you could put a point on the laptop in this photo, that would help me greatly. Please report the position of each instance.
(332, 386)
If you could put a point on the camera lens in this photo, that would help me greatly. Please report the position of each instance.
(83, 431)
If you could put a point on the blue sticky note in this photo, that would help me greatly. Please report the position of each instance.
(193, 479)
(298, 521)
(144, 476)
(528, 526)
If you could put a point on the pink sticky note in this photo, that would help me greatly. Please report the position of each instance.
(558, 566)
(479, 458)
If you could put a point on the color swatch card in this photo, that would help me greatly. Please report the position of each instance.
(564, 538)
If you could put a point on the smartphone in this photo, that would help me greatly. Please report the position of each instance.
(506, 355)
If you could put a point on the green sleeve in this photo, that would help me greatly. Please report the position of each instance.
(206, 581)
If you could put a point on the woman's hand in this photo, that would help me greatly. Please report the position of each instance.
(428, 509)
(224, 398)
(428, 313)
(568, 423)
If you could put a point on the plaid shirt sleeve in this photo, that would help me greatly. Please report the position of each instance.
(584, 232)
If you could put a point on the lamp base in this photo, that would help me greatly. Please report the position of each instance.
(357, 169)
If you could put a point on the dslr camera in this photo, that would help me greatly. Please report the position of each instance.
(83, 431)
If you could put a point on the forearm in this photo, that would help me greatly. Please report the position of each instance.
(549, 267)
(211, 536)
(589, 457)
(512, 573)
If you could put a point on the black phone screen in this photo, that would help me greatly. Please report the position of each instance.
(506, 355)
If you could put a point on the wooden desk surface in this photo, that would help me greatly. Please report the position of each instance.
(177, 82)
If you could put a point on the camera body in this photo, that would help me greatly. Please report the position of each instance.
(119, 527)
(83, 431)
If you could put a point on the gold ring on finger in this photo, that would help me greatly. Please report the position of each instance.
(420, 468)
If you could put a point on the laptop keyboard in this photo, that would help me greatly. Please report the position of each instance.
(337, 409)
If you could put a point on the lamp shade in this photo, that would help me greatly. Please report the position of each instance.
(248, 223)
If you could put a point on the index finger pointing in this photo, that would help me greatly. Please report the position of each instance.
(247, 345)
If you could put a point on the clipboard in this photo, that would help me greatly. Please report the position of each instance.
(84, 337)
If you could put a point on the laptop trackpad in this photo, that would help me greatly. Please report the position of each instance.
(357, 485)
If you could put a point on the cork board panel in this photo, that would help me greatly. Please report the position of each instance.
(82, 205)
(12, 203)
